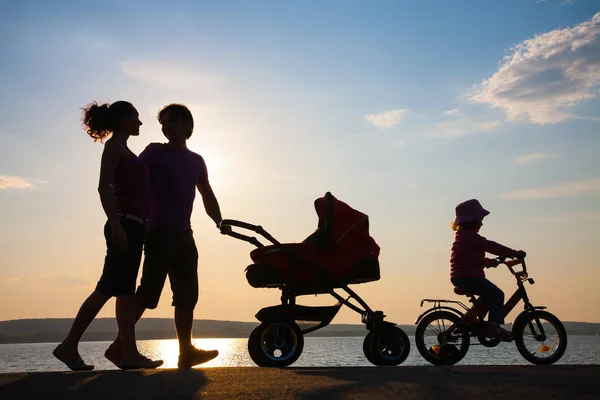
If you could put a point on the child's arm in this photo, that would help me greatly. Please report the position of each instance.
(500, 250)
(491, 263)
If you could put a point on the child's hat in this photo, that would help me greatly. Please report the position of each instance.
(469, 211)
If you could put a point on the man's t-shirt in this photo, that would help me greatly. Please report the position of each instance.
(173, 176)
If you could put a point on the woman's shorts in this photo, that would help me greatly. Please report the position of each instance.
(121, 267)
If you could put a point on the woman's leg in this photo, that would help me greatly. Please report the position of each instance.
(126, 319)
(128, 262)
(68, 351)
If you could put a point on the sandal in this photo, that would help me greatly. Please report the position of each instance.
(74, 365)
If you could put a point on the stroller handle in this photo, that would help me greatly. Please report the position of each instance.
(244, 225)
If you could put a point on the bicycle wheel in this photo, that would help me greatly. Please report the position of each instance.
(536, 347)
(438, 346)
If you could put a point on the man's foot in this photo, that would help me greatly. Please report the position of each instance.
(114, 354)
(195, 356)
(71, 359)
(139, 362)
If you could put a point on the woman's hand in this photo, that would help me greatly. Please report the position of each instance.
(119, 237)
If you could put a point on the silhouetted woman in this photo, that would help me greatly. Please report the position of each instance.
(124, 194)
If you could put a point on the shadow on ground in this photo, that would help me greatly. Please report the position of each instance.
(109, 385)
(450, 383)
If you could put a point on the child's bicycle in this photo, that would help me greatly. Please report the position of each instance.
(443, 333)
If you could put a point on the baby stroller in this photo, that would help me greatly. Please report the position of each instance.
(339, 253)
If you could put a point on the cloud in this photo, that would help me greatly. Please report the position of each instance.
(586, 216)
(13, 182)
(559, 190)
(531, 158)
(545, 76)
(61, 281)
(452, 113)
(562, 2)
(388, 119)
(463, 126)
(169, 75)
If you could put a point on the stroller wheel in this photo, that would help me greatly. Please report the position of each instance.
(275, 344)
(389, 347)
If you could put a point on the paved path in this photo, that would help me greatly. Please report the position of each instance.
(439, 383)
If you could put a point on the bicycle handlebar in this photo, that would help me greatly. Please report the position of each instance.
(511, 263)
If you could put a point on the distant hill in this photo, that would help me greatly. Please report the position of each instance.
(102, 329)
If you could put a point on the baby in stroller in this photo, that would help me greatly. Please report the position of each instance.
(339, 253)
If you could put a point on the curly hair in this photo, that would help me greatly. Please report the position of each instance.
(465, 226)
(101, 120)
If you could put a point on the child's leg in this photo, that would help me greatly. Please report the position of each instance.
(494, 298)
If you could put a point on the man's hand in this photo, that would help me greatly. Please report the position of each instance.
(225, 229)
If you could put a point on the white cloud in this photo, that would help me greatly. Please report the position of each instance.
(14, 182)
(388, 119)
(545, 76)
(463, 126)
(531, 158)
(61, 281)
(169, 75)
(586, 216)
(452, 113)
(559, 190)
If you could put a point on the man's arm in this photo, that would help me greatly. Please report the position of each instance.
(211, 205)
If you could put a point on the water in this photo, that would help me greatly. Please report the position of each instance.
(318, 352)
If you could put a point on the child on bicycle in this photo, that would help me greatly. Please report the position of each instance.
(468, 261)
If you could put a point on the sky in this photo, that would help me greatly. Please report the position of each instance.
(402, 109)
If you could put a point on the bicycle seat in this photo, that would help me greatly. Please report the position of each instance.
(462, 291)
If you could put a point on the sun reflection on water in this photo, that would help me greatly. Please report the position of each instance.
(232, 352)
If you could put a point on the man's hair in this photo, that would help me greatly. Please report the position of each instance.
(178, 111)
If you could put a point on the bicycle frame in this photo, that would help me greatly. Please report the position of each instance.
(474, 316)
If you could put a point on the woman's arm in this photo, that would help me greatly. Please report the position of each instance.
(108, 165)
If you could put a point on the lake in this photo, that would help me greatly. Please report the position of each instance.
(318, 352)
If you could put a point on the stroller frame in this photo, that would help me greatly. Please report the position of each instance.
(385, 343)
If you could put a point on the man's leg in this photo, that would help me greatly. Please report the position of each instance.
(184, 283)
(184, 321)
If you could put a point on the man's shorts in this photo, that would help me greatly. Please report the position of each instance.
(121, 266)
(169, 252)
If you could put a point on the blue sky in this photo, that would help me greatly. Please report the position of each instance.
(400, 108)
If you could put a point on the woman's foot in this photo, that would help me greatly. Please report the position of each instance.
(114, 354)
(71, 358)
(139, 361)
